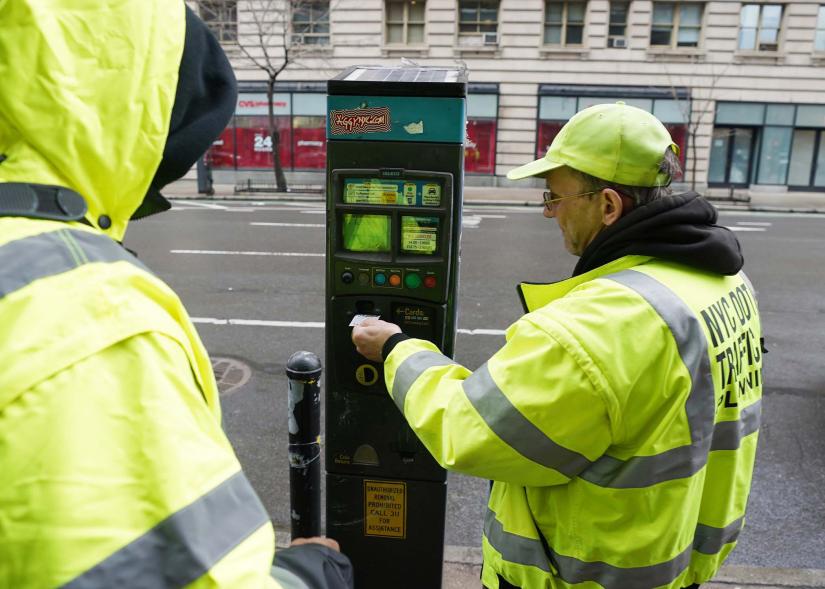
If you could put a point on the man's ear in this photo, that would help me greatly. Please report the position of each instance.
(612, 207)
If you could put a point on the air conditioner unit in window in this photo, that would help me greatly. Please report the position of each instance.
(768, 46)
(617, 42)
(490, 38)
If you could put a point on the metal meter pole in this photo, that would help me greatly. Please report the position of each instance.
(303, 369)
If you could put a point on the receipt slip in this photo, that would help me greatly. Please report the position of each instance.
(358, 319)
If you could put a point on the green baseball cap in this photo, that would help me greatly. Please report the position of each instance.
(615, 142)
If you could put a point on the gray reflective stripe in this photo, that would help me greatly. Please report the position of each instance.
(749, 284)
(684, 461)
(727, 435)
(184, 546)
(287, 579)
(530, 552)
(516, 430)
(512, 547)
(710, 540)
(411, 369)
(47, 254)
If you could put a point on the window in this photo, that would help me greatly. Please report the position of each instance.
(405, 21)
(616, 34)
(676, 24)
(759, 27)
(480, 144)
(564, 22)
(221, 16)
(478, 22)
(819, 39)
(310, 22)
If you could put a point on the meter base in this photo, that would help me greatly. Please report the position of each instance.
(390, 529)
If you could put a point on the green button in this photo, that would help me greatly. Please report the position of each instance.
(412, 280)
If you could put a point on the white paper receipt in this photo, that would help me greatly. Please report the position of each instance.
(359, 318)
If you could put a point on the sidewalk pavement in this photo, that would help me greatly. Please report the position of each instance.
(462, 567)
(509, 196)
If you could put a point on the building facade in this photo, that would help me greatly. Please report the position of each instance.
(740, 85)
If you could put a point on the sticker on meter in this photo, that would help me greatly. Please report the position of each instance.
(431, 195)
(358, 319)
(385, 509)
(371, 191)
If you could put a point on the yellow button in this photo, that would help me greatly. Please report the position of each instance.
(366, 375)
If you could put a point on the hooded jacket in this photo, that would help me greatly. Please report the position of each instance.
(619, 421)
(115, 469)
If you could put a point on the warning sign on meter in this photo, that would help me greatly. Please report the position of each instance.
(385, 509)
(419, 235)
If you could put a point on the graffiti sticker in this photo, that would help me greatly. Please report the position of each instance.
(360, 120)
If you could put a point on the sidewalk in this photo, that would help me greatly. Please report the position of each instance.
(509, 196)
(462, 567)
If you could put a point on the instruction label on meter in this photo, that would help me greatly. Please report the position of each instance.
(373, 192)
(385, 509)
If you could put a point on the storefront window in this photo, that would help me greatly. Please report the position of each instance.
(480, 145)
(730, 155)
(480, 148)
(254, 144)
(309, 140)
(775, 155)
(300, 118)
(309, 131)
(222, 153)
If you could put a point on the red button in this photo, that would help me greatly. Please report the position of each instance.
(429, 281)
(395, 279)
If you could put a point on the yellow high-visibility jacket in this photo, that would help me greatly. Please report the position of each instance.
(114, 470)
(619, 423)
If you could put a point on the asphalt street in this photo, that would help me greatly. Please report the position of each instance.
(252, 277)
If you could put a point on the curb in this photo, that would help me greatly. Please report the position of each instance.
(304, 197)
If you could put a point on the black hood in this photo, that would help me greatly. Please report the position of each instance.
(680, 228)
(204, 103)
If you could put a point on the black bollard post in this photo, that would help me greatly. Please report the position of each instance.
(303, 369)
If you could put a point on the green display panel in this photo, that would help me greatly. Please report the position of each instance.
(366, 233)
(419, 235)
(382, 191)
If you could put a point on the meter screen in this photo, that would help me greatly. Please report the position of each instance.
(384, 191)
(366, 233)
(419, 235)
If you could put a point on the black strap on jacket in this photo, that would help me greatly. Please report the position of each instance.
(41, 201)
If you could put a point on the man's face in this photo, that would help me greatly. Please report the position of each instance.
(580, 219)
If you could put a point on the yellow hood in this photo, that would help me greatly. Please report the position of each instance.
(86, 94)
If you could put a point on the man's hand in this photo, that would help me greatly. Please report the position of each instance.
(322, 540)
(370, 336)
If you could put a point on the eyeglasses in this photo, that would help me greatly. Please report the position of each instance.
(552, 200)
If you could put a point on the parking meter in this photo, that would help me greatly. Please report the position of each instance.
(394, 183)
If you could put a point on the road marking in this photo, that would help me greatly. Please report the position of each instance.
(264, 224)
(736, 228)
(492, 216)
(310, 325)
(230, 253)
(754, 223)
(259, 323)
(203, 205)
